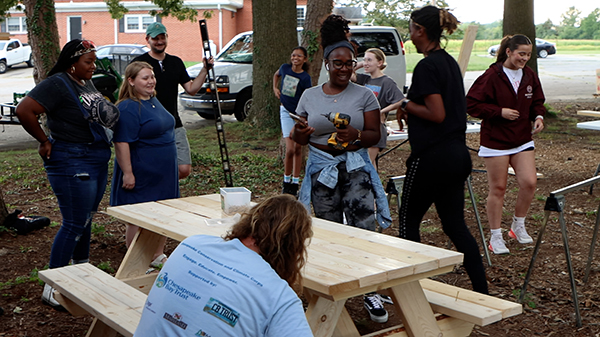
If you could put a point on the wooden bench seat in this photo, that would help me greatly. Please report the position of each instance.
(87, 288)
(466, 304)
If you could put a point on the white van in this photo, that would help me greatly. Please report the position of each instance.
(233, 70)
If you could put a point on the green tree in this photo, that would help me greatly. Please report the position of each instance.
(518, 19)
(569, 25)
(274, 37)
(590, 26)
(394, 13)
(546, 30)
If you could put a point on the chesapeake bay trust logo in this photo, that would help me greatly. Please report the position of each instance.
(222, 311)
(162, 279)
(202, 333)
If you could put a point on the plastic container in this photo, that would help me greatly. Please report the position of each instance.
(235, 200)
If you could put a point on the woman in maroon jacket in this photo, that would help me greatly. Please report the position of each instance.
(508, 98)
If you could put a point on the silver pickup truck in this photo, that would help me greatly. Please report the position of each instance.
(233, 70)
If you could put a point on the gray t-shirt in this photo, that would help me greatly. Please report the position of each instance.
(387, 92)
(354, 101)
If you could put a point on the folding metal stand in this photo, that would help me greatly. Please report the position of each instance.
(555, 203)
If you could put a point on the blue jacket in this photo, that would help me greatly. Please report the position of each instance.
(357, 160)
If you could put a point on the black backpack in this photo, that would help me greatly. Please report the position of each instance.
(25, 224)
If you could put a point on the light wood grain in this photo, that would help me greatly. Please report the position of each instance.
(589, 113)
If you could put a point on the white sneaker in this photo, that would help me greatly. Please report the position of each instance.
(48, 298)
(497, 245)
(519, 233)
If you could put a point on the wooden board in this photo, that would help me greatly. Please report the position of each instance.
(111, 301)
(467, 304)
(589, 113)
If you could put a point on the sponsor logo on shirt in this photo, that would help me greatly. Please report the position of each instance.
(148, 305)
(175, 319)
(202, 333)
(163, 281)
(222, 311)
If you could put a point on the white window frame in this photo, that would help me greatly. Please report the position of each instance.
(22, 24)
(298, 17)
(140, 22)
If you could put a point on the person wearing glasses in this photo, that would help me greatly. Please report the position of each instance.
(439, 162)
(77, 150)
(341, 180)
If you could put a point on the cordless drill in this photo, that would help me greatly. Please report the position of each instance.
(340, 121)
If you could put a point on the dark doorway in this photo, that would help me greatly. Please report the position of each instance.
(74, 27)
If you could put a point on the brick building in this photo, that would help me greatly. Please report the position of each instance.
(90, 20)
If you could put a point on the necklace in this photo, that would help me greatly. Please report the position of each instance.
(82, 82)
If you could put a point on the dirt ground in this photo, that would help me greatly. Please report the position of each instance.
(564, 155)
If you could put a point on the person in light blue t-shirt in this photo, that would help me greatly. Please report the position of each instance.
(239, 285)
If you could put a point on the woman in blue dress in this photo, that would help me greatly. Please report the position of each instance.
(146, 156)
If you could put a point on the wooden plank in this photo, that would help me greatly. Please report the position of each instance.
(467, 311)
(71, 306)
(99, 329)
(142, 283)
(323, 315)
(589, 113)
(506, 308)
(345, 326)
(139, 255)
(450, 327)
(466, 47)
(421, 257)
(202, 206)
(414, 310)
(365, 275)
(113, 302)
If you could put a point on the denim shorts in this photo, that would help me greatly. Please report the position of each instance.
(287, 123)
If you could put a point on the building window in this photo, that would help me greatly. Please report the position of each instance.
(16, 25)
(301, 15)
(137, 23)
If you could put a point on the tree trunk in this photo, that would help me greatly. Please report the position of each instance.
(3, 209)
(316, 12)
(274, 24)
(518, 19)
(42, 32)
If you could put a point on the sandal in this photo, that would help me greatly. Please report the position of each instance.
(158, 262)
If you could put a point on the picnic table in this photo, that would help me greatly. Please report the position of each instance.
(343, 262)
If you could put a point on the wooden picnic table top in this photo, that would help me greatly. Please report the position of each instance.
(343, 261)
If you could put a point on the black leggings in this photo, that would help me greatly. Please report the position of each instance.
(438, 177)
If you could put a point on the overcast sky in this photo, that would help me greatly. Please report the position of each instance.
(488, 11)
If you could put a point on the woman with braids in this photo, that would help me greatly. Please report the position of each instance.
(340, 179)
(77, 151)
(239, 285)
(508, 98)
(439, 162)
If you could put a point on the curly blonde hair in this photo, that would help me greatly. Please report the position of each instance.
(281, 227)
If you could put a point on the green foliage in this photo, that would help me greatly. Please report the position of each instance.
(105, 266)
(527, 299)
(98, 229)
(311, 39)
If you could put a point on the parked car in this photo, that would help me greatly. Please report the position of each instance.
(13, 52)
(544, 48)
(121, 54)
(233, 70)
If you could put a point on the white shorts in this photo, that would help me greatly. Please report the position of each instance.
(487, 152)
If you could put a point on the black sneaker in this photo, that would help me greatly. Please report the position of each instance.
(290, 188)
(375, 308)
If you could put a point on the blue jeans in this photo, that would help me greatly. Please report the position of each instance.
(78, 175)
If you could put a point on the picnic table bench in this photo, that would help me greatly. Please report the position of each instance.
(343, 262)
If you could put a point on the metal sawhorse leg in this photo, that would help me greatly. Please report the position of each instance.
(555, 203)
(394, 186)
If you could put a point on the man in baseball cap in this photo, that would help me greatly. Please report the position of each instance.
(156, 29)
(170, 72)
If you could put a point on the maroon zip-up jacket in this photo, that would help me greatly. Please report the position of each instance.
(493, 91)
